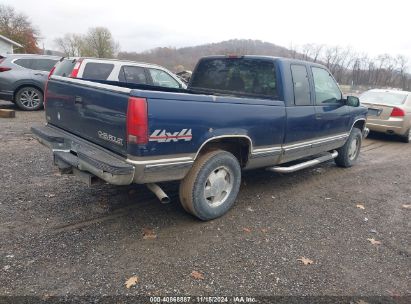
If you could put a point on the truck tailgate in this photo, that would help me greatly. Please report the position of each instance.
(96, 112)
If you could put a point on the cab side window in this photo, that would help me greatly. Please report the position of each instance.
(326, 89)
(301, 85)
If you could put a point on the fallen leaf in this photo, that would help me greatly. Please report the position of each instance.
(406, 206)
(250, 209)
(49, 195)
(361, 301)
(374, 242)
(360, 206)
(131, 281)
(247, 230)
(305, 261)
(148, 234)
(394, 293)
(196, 275)
(264, 230)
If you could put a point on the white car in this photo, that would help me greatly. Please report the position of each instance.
(117, 70)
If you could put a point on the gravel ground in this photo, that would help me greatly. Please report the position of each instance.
(60, 237)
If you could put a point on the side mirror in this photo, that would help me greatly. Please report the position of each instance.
(352, 101)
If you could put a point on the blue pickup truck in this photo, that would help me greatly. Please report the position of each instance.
(238, 113)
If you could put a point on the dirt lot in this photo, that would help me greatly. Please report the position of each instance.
(58, 237)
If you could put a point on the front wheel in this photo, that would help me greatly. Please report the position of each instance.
(29, 99)
(348, 154)
(210, 188)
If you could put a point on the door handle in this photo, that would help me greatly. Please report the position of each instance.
(78, 100)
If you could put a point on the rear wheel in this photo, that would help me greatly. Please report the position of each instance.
(211, 186)
(348, 154)
(407, 137)
(29, 99)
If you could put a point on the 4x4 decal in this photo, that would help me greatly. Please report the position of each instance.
(164, 136)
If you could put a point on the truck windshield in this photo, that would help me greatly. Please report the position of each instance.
(236, 76)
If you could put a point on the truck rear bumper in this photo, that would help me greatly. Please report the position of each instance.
(72, 152)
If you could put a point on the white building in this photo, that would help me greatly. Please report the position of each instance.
(6, 45)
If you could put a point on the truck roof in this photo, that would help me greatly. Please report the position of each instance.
(274, 58)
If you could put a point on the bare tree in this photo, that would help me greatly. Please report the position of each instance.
(18, 27)
(99, 43)
(311, 51)
(71, 44)
(402, 69)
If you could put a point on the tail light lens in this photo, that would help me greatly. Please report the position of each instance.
(3, 69)
(76, 68)
(397, 112)
(45, 87)
(137, 121)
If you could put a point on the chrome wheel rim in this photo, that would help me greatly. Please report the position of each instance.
(353, 149)
(218, 186)
(30, 99)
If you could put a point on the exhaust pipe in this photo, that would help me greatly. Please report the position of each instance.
(161, 195)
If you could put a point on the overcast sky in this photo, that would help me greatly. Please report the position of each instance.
(373, 27)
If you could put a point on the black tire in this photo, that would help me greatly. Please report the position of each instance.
(406, 137)
(29, 99)
(346, 156)
(224, 170)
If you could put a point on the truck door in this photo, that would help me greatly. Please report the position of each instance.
(332, 115)
(301, 120)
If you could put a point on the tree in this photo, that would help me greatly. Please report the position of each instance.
(100, 43)
(17, 27)
(402, 69)
(71, 44)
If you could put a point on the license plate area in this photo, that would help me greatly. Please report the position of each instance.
(374, 112)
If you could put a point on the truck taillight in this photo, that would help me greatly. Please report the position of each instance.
(397, 112)
(137, 121)
(76, 68)
(4, 69)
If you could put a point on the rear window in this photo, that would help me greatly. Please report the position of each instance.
(24, 62)
(236, 76)
(132, 74)
(64, 68)
(97, 70)
(43, 64)
(390, 98)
